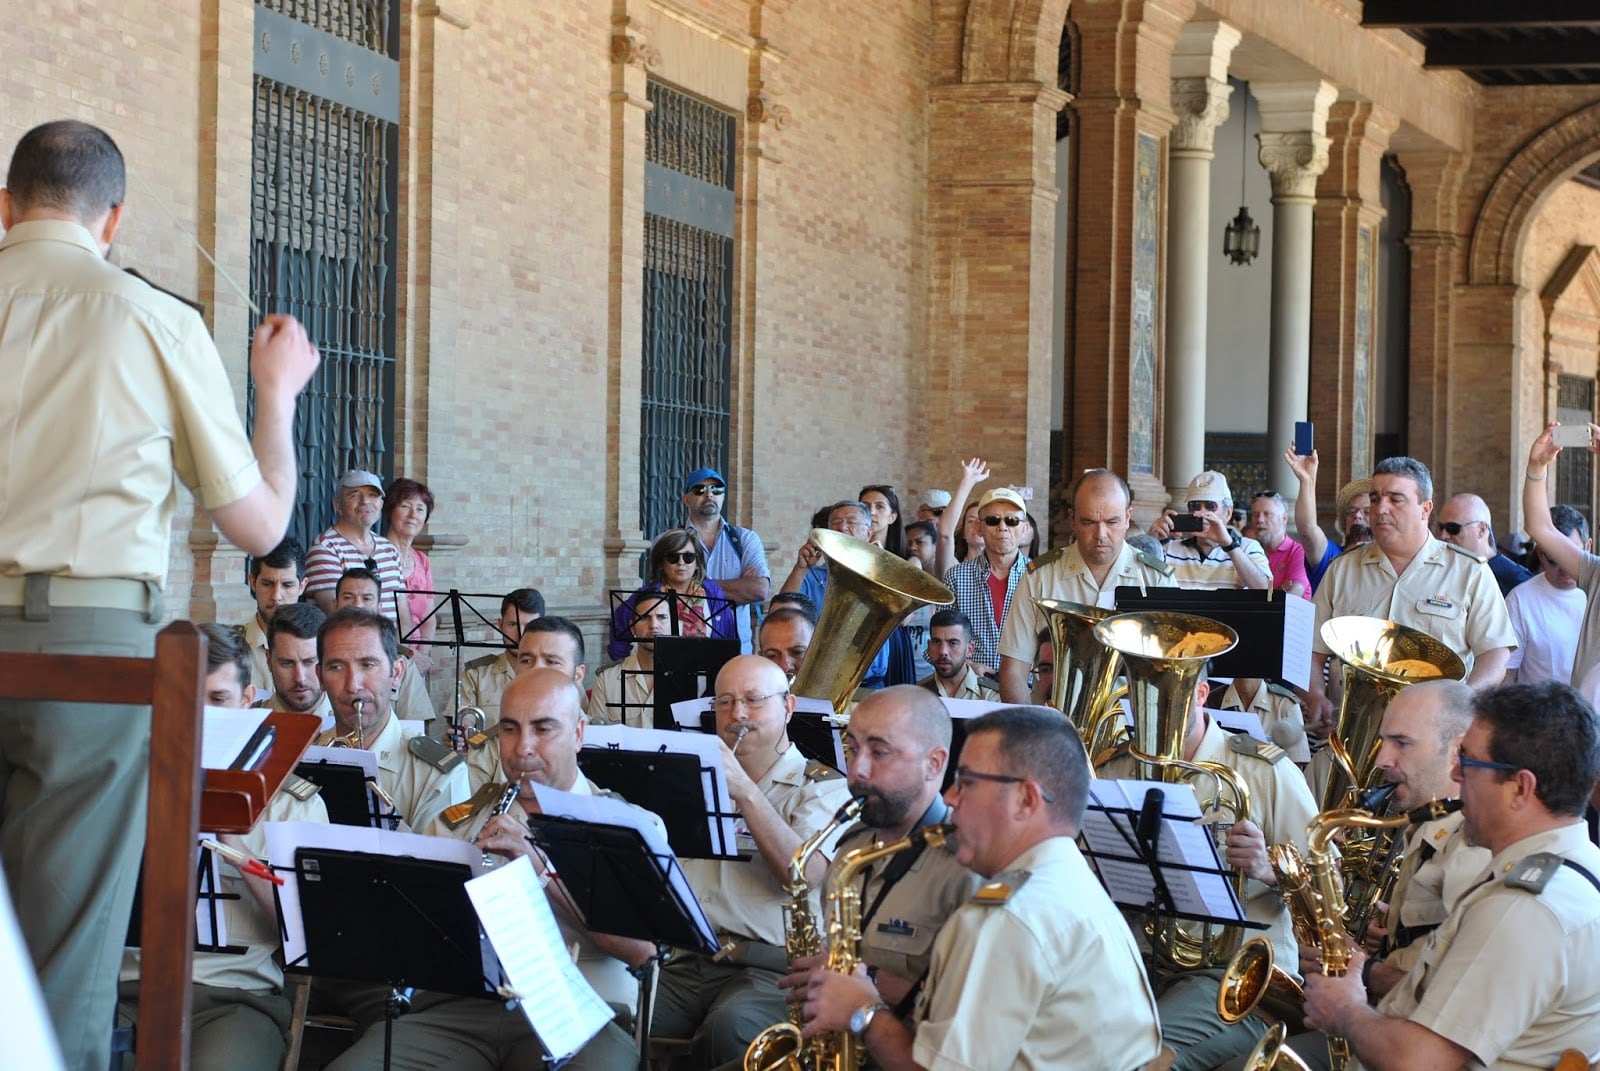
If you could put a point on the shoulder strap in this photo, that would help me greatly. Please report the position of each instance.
(735, 537)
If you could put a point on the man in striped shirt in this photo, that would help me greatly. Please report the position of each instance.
(351, 543)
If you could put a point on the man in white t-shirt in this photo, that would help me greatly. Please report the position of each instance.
(1547, 611)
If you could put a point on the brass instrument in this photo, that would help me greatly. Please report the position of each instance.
(870, 591)
(1084, 686)
(1163, 655)
(353, 738)
(460, 736)
(779, 1047)
(1272, 1053)
(1380, 658)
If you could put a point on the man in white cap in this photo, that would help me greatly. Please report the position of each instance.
(983, 585)
(935, 500)
(351, 543)
(1216, 556)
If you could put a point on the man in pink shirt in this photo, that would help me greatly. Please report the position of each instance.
(1285, 556)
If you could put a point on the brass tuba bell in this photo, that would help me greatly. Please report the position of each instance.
(1084, 687)
(870, 591)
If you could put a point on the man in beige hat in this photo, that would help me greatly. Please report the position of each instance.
(1216, 556)
(984, 584)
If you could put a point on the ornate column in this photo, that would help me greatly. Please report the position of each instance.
(1294, 150)
(1200, 93)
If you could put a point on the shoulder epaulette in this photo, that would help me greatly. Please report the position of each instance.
(1534, 872)
(1049, 557)
(1150, 561)
(1245, 744)
(608, 665)
(1282, 689)
(457, 815)
(300, 788)
(483, 662)
(1000, 889)
(427, 749)
(821, 771)
(191, 302)
(1110, 754)
(1474, 555)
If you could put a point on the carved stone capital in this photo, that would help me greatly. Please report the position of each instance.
(1293, 162)
(1201, 105)
(630, 48)
(763, 109)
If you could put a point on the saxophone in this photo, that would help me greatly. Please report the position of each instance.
(779, 1047)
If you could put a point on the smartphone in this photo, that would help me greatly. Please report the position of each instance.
(1571, 435)
(1303, 438)
(1186, 522)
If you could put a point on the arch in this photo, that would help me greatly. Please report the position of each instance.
(1554, 155)
(1011, 40)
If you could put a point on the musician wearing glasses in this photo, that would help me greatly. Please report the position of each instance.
(1036, 969)
(1511, 978)
(985, 583)
(540, 730)
(1214, 556)
(1280, 809)
(782, 798)
(1087, 572)
(732, 556)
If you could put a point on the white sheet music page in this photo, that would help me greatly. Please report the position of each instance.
(345, 756)
(1180, 843)
(204, 934)
(224, 733)
(30, 1039)
(706, 747)
(1240, 721)
(561, 1006)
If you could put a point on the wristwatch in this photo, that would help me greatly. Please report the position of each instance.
(861, 1018)
(1235, 545)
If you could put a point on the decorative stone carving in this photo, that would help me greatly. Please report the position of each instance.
(1293, 162)
(1201, 105)
(763, 109)
(629, 47)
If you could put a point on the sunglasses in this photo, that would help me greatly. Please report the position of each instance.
(707, 489)
(683, 557)
(1456, 527)
(1198, 504)
(1010, 520)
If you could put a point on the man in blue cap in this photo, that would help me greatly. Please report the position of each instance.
(734, 556)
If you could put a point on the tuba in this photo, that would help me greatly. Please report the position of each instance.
(779, 1047)
(870, 591)
(1084, 686)
(1164, 655)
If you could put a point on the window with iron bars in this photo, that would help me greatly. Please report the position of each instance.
(688, 299)
(1575, 468)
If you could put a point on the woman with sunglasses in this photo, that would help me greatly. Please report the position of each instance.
(677, 565)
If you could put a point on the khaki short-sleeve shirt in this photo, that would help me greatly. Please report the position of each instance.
(419, 789)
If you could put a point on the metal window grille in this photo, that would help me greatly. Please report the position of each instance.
(688, 299)
(322, 226)
(1575, 468)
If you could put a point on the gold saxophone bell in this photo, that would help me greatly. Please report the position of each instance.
(1272, 1053)
(1253, 979)
(870, 591)
(1084, 685)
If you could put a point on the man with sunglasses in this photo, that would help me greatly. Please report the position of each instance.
(984, 584)
(1464, 521)
(734, 556)
(1511, 978)
(1036, 970)
(1215, 556)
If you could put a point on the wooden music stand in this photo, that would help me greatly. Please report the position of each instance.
(173, 684)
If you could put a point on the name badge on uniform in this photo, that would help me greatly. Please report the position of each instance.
(897, 928)
(1440, 601)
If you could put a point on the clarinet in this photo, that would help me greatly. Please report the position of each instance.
(502, 805)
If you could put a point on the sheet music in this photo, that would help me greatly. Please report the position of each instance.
(603, 810)
(283, 838)
(969, 708)
(203, 903)
(1240, 721)
(1109, 831)
(805, 704)
(345, 756)
(706, 747)
(30, 1038)
(686, 712)
(1299, 625)
(224, 733)
(560, 1004)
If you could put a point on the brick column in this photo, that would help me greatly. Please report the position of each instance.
(1480, 399)
(1200, 93)
(1294, 150)
(1345, 235)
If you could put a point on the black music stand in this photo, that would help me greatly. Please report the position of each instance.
(353, 904)
(624, 612)
(457, 638)
(618, 884)
(686, 667)
(347, 795)
(664, 784)
(1275, 636)
(208, 891)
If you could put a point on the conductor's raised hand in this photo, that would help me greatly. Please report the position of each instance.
(282, 358)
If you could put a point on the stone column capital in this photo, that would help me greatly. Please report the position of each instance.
(1201, 105)
(1293, 162)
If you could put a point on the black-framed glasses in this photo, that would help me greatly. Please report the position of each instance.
(1456, 527)
(683, 557)
(1010, 520)
(1467, 762)
(965, 778)
(1200, 504)
(707, 489)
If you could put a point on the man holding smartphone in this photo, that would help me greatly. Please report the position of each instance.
(1203, 551)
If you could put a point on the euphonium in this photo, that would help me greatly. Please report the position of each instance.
(870, 591)
(1084, 684)
(1163, 655)
(779, 1047)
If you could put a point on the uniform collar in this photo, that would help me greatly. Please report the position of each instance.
(1568, 841)
(790, 769)
(52, 230)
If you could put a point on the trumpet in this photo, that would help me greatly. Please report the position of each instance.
(353, 738)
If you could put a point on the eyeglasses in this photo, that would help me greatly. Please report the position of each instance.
(965, 778)
(1456, 527)
(1010, 520)
(683, 557)
(1466, 762)
(1209, 507)
(724, 703)
(707, 489)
